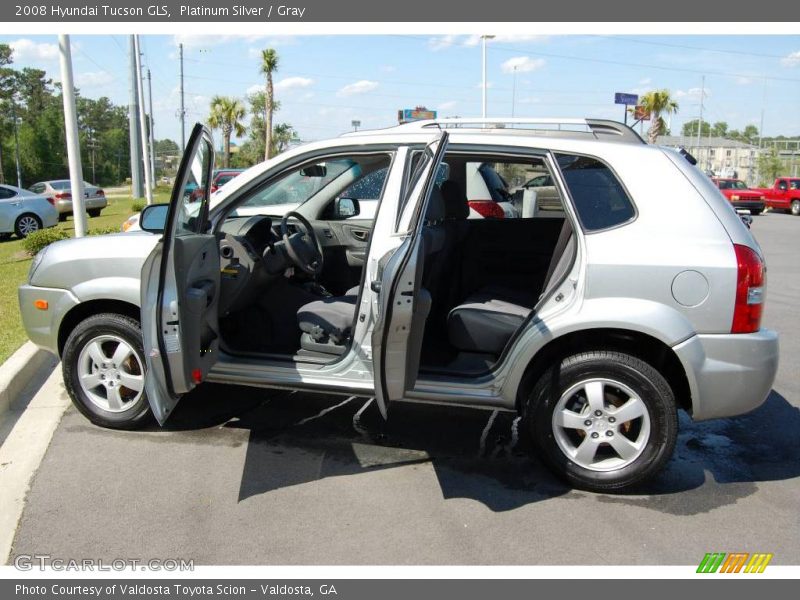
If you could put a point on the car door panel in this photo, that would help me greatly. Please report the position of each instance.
(404, 304)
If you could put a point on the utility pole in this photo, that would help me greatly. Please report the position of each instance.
(700, 120)
(514, 92)
(483, 57)
(148, 186)
(16, 140)
(183, 109)
(152, 129)
(73, 141)
(133, 125)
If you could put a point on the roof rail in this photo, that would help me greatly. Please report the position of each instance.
(600, 128)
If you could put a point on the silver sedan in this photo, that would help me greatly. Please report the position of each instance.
(22, 212)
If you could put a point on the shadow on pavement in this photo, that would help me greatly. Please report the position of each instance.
(298, 438)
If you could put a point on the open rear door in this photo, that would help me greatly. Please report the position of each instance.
(180, 285)
(404, 305)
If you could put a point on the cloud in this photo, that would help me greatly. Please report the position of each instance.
(645, 81)
(388, 68)
(449, 105)
(255, 89)
(693, 93)
(28, 50)
(359, 87)
(92, 79)
(522, 64)
(442, 42)
(293, 83)
(791, 60)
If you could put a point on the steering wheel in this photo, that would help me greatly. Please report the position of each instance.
(303, 248)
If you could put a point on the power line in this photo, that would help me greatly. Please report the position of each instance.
(631, 40)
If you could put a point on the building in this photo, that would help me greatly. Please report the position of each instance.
(721, 156)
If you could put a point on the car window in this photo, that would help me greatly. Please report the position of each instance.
(368, 187)
(224, 179)
(739, 185)
(600, 199)
(6, 193)
(37, 188)
(60, 185)
(795, 185)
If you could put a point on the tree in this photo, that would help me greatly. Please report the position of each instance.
(769, 166)
(282, 137)
(6, 90)
(269, 64)
(227, 114)
(657, 103)
(720, 129)
(690, 128)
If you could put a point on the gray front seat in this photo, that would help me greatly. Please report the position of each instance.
(330, 320)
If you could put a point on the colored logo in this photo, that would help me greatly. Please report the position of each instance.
(734, 562)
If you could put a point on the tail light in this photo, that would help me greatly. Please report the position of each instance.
(750, 281)
(489, 209)
(64, 196)
(100, 193)
(51, 200)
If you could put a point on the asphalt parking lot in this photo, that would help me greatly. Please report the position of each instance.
(246, 476)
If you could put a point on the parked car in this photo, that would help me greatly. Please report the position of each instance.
(783, 195)
(488, 194)
(541, 193)
(577, 324)
(741, 196)
(22, 212)
(61, 190)
(219, 178)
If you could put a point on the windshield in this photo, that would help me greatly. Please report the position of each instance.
(732, 184)
(301, 185)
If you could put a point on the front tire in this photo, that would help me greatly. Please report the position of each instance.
(104, 368)
(26, 224)
(604, 421)
(795, 208)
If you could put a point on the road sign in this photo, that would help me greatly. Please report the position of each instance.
(627, 99)
(641, 113)
(415, 114)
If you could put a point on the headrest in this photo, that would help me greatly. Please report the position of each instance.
(435, 212)
(455, 201)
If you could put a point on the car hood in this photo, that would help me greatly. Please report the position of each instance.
(68, 263)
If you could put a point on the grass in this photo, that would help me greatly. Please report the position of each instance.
(14, 265)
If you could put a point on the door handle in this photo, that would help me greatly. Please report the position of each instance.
(360, 235)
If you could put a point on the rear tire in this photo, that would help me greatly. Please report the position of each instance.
(26, 224)
(104, 367)
(795, 208)
(94, 212)
(575, 416)
(62, 217)
(756, 211)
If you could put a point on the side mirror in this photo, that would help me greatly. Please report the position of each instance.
(344, 208)
(153, 218)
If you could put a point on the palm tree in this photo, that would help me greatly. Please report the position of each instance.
(269, 64)
(227, 114)
(657, 103)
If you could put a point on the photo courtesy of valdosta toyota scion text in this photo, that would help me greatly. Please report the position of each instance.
(289, 287)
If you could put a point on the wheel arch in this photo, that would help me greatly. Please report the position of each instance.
(636, 343)
(89, 308)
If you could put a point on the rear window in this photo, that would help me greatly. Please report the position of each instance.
(60, 185)
(600, 200)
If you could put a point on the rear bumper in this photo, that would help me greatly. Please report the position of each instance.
(65, 206)
(729, 374)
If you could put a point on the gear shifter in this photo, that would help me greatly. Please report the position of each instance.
(317, 289)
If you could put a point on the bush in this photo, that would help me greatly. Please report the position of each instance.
(138, 206)
(38, 240)
(103, 230)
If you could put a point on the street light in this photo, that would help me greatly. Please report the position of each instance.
(483, 55)
(514, 92)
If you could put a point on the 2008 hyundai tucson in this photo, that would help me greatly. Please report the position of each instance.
(586, 305)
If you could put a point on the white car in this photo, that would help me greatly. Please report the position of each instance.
(22, 212)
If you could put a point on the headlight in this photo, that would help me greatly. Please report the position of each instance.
(37, 260)
(130, 222)
(734, 197)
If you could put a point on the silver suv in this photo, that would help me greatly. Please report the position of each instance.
(595, 320)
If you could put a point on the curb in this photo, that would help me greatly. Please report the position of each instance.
(16, 373)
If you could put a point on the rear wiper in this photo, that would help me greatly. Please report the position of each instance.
(687, 155)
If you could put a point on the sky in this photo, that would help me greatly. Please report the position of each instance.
(325, 82)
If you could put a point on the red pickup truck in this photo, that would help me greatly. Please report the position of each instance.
(738, 194)
(783, 195)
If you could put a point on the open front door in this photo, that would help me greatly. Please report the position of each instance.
(404, 304)
(180, 284)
